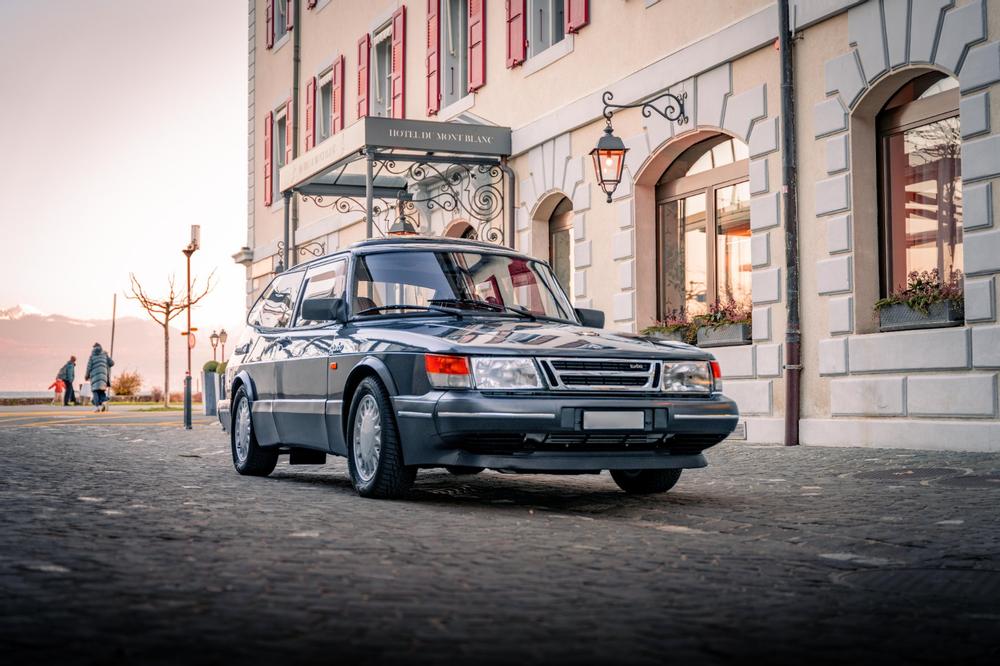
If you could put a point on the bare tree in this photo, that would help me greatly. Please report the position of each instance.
(163, 310)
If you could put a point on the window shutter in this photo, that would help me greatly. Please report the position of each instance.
(269, 27)
(268, 155)
(399, 63)
(311, 113)
(364, 53)
(517, 32)
(433, 57)
(577, 13)
(289, 131)
(477, 44)
(337, 96)
(289, 14)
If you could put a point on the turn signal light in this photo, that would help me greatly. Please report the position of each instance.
(447, 371)
(716, 370)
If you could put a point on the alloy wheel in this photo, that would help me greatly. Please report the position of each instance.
(367, 438)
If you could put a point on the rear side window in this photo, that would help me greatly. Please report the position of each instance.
(277, 303)
(326, 281)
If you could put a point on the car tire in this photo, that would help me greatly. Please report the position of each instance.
(645, 481)
(374, 452)
(463, 470)
(249, 457)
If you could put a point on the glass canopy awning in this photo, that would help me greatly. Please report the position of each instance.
(392, 170)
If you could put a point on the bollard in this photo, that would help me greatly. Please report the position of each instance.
(187, 401)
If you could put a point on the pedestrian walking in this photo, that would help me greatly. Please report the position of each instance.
(59, 385)
(67, 374)
(98, 372)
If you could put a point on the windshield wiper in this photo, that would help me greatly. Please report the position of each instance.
(495, 307)
(403, 306)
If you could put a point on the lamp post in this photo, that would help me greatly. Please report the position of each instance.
(609, 155)
(223, 336)
(214, 340)
(402, 226)
(191, 248)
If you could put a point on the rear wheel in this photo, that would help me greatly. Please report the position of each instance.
(645, 481)
(249, 457)
(374, 453)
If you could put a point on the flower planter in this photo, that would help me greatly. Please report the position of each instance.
(901, 317)
(210, 383)
(671, 336)
(724, 336)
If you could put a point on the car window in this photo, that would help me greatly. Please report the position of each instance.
(276, 304)
(326, 281)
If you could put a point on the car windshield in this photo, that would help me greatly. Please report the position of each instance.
(470, 282)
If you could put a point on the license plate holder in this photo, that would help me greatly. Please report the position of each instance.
(609, 420)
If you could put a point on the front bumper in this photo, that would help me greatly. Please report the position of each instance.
(544, 432)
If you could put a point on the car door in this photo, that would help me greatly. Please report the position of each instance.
(304, 363)
(271, 317)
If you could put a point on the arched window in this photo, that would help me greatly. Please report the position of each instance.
(703, 227)
(561, 243)
(920, 185)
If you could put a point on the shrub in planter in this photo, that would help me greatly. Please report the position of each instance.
(725, 324)
(210, 366)
(676, 326)
(926, 301)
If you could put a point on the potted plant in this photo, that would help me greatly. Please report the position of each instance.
(725, 324)
(676, 327)
(210, 383)
(926, 301)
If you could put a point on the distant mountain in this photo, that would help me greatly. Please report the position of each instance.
(33, 346)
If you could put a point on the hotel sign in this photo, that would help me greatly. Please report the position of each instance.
(437, 137)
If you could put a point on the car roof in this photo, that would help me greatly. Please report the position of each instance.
(404, 243)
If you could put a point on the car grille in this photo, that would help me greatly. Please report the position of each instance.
(601, 374)
(509, 443)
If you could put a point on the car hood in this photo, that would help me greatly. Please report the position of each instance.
(483, 335)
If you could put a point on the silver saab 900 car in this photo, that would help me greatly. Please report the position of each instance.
(414, 353)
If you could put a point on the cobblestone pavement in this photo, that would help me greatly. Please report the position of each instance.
(141, 545)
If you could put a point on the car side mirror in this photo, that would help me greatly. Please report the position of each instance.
(324, 309)
(591, 318)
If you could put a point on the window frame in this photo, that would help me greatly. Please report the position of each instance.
(556, 24)
(297, 318)
(324, 113)
(707, 183)
(462, 51)
(378, 40)
(278, 149)
(295, 303)
(889, 123)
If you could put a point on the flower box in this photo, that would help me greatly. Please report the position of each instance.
(724, 336)
(901, 317)
(670, 336)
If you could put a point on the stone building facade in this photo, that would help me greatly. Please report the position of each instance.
(897, 154)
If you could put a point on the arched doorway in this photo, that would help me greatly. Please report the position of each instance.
(561, 243)
(461, 229)
(703, 227)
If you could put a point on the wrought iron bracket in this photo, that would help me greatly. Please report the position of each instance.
(672, 110)
(315, 248)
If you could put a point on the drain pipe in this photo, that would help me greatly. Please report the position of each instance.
(793, 333)
(293, 224)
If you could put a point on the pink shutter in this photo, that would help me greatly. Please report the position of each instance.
(337, 96)
(269, 25)
(399, 63)
(577, 13)
(364, 53)
(311, 113)
(517, 32)
(289, 131)
(289, 14)
(433, 57)
(268, 155)
(477, 44)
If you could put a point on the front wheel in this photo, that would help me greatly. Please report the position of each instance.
(249, 457)
(374, 453)
(645, 481)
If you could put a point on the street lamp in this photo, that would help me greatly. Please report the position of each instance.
(191, 248)
(223, 336)
(609, 155)
(214, 339)
(402, 226)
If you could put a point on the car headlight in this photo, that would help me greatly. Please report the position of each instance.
(687, 377)
(501, 373)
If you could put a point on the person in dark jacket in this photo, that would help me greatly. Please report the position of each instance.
(99, 376)
(68, 373)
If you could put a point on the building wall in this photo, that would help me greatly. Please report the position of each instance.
(920, 388)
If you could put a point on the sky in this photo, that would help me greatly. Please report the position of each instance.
(123, 123)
